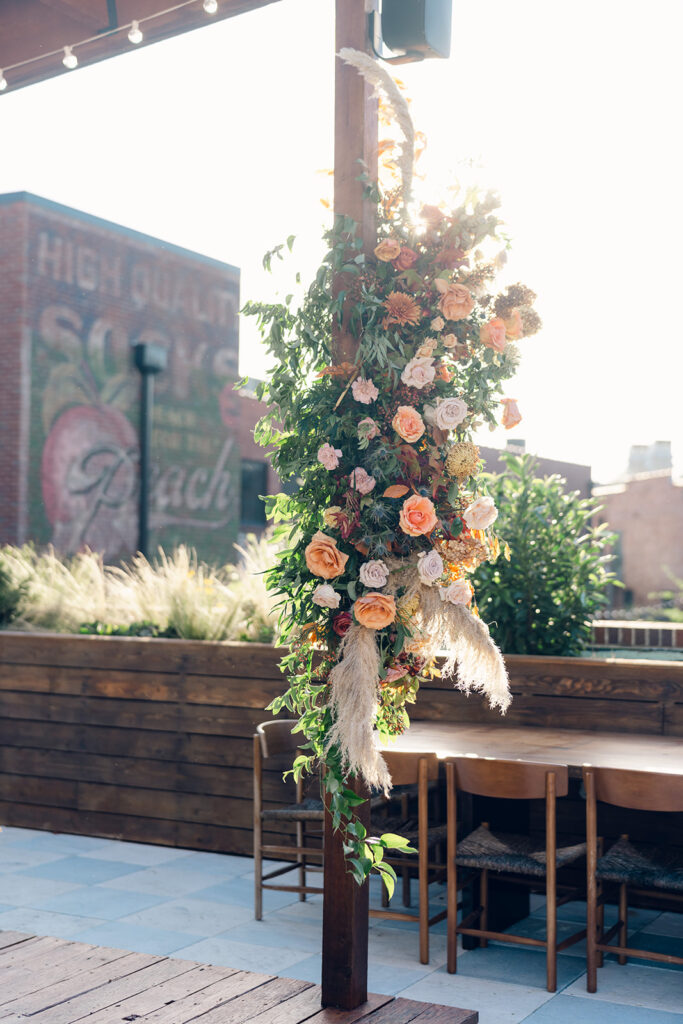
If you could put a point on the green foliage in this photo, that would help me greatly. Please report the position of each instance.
(11, 594)
(543, 600)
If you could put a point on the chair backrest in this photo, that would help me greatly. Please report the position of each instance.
(640, 791)
(509, 780)
(404, 767)
(277, 738)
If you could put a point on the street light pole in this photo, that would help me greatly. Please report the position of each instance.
(149, 360)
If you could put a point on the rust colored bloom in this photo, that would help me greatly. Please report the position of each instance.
(452, 258)
(405, 259)
(375, 611)
(456, 302)
(342, 370)
(388, 250)
(402, 309)
(341, 623)
(433, 216)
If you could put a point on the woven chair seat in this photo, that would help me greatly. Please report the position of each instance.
(651, 867)
(307, 810)
(521, 855)
(408, 828)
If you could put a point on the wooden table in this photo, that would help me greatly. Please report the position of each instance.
(573, 747)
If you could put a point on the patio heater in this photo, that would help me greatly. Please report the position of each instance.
(150, 360)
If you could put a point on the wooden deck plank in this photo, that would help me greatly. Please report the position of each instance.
(55, 981)
(264, 997)
(198, 977)
(50, 997)
(66, 963)
(210, 998)
(111, 991)
(294, 1010)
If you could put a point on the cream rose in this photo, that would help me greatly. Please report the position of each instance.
(481, 513)
(438, 323)
(449, 341)
(429, 567)
(364, 391)
(408, 424)
(326, 596)
(458, 592)
(418, 372)
(450, 412)
(428, 347)
(374, 574)
(456, 301)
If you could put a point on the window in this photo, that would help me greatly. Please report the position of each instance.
(254, 482)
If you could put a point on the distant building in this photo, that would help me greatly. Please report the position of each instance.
(76, 292)
(578, 477)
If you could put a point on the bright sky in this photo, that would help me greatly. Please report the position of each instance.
(214, 140)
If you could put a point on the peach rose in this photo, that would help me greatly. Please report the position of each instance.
(427, 349)
(417, 516)
(388, 250)
(408, 423)
(481, 513)
(405, 259)
(449, 341)
(492, 334)
(456, 301)
(443, 373)
(375, 611)
(511, 414)
(514, 325)
(323, 558)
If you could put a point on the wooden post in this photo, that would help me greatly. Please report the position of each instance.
(345, 903)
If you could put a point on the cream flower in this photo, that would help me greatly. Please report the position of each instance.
(364, 390)
(481, 513)
(329, 456)
(326, 596)
(374, 574)
(449, 341)
(438, 323)
(428, 347)
(458, 592)
(361, 480)
(418, 372)
(429, 567)
(450, 412)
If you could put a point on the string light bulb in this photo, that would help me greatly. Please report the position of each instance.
(210, 6)
(3, 81)
(135, 35)
(69, 60)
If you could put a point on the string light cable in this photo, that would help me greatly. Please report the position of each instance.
(70, 59)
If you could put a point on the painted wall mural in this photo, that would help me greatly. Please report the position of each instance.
(95, 291)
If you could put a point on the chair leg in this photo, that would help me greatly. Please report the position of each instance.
(405, 874)
(484, 904)
(300, 835)
(258, 871)
(600, 918)
(451, 872)
(623, 917)
(551, 935)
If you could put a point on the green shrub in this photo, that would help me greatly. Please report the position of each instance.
(11, 595)
(543, 600)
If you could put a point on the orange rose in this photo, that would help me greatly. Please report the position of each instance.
(514, 325)
(511, 414)
(456, 301)
(492, 334)
(388, 250)
(323, 558)
(443, 373)
(405, 259)
(408, 423)
(417, 516)
(375, 611)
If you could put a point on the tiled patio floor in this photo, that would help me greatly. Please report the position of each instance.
(198, 906)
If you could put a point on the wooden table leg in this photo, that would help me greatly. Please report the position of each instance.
(345, 922)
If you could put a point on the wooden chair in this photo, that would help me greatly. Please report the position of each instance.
(275, 746)
(520, 856)
(637, 868)
(415, 771)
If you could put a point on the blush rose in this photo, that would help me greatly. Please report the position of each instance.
(361, 480)
(481, 513)
(418, 372)
(364, 391)
(329, 456)
(326, 596)
(374, 574)
(417, 516)
(458, 592)
(492, 334)
(429, 567)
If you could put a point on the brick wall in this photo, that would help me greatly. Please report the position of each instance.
(76, 293)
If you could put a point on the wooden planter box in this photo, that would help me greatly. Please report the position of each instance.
(150, 740)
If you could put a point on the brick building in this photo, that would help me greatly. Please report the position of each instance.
(76, 292)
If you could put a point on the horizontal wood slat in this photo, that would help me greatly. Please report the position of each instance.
(150, 740)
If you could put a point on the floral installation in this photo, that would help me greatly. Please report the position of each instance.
(388, 518)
